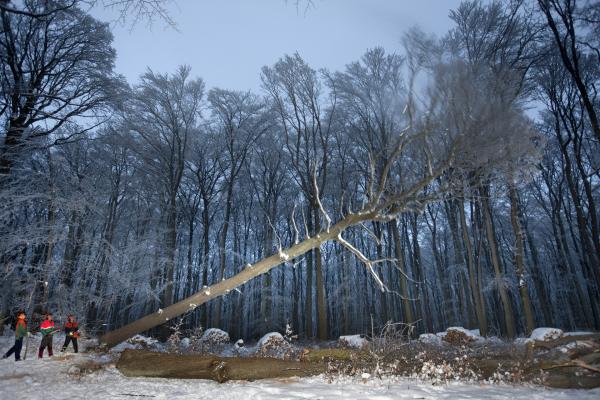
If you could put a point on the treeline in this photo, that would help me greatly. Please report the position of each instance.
(118, 200)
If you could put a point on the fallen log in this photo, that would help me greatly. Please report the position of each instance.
(221, 369)
(581, 373)
(550, 344)
(570, 377)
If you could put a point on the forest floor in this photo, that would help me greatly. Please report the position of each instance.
(94, 376)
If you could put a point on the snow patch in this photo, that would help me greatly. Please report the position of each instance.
(215, 336)
(458, 335)
(137, 342)
(430, 338)
(185, 343)
(353, 341)
(578, 333)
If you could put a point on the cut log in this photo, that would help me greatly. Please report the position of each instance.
(221, 369)
(550, 344)
(570, 377)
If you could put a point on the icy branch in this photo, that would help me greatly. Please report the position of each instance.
(369, 263)
(296, 232)
(318, 197)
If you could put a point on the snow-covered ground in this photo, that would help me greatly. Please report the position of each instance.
(57, 378)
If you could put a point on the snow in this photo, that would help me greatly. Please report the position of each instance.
(546, 334)
(354, 341)
(578, 333)
(472, 334)
(521, 341)
(148, 341)
(430, 338)
(272, 336)
(458, 332)
(137, 342)
(214, 335)
(185, 343)
(66, 376)
(274, 345)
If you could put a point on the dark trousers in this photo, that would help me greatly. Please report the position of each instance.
(16, 349)
(69, 339)
(46, 342)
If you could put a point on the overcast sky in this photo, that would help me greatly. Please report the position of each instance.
(226, 42)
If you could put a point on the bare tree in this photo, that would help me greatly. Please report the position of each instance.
(565, 20)
(54, 71)
(297, 93)
(163, 116)
(426, 149)
(239, 122)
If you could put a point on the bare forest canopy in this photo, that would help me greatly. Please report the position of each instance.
(453, 183)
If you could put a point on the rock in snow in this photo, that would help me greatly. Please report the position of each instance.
(353, 341)
(457, 335)
(214, 336)
(274, 345)
(546, 334)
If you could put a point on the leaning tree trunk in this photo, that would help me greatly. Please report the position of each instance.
(224, 286)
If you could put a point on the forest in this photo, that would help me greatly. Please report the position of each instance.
(453, 183)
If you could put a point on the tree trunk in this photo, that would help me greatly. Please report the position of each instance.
(509, 318)
(404, 291)
(308, 306)
(221, 369)
(479, 300)
(72, 248)
(205, 260)
(222, 244)
(520, 261)
(321, 303)
(189, 287)
(266, 299)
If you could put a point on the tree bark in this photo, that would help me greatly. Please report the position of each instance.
(520, 261)
(221, 369)
(509, 318)
(474, 277)
(321, 303)
(404, 291)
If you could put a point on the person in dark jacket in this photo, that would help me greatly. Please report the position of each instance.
(20, 333)
(71, 333)
(48, 330)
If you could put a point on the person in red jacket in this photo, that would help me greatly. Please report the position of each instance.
(71, 333)
(48, 330)
(20, 333)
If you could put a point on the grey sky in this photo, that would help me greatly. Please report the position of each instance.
(226, 42)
